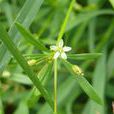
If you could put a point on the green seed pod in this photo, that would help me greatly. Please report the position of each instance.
(77, 70)
(32, 62)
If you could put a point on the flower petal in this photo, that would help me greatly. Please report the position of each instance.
(66, 48)
(63, 55)
(56, 55)
(54, 48)
(60, 43)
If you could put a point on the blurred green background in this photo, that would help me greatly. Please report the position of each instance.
(90, 29)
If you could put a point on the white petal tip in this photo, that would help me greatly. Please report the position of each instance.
(56, 55)
(66, 49)
(54, 48)
(63, 55)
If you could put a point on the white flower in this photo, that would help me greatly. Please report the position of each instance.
(60, 50)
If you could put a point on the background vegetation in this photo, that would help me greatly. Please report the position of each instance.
(90, 29)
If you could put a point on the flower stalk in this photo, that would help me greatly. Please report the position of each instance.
(63, 27)
(55, 86)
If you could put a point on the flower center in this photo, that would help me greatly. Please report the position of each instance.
(60, 49)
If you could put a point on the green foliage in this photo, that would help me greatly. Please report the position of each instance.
(30, 38)
(83, 83)
(84, 56)
(22, 109)
(112, 2)
(30, 76)
(16, 53)
(25, 16)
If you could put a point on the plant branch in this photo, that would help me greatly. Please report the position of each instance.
(55, 86)
(63, 27)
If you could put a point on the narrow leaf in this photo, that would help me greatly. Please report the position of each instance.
(63, 27)
(84, 56)
(106, 36)
(66, 91)
(43, 76)
(109, 90)
(22, 108)
(20, 78)
(21, 60)
(112, 3)
(8, 13)
(110, 65)
(99, 81)
(86, 108)
(1, 107)
(29, 37)
(91, 35)
(78, 35)
(84, 84)
(26, 16)
(84, 17)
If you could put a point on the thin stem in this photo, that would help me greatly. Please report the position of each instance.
(63, 27)
(55, 86)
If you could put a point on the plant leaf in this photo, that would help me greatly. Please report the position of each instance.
(25, 17)
(109, 90)
(112, 3)
(91, 35)
(84, 56)
(29, 37)
(21, 60)
(110, 65)
(22, 108)
(84, 17)
(20, 78)
(99, 81)
(8, 13)
(1, 107)
(106, 36)
(65, 93)
(63, 27)
(83, 83)
(43, 76)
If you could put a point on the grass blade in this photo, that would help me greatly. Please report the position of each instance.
(84, 84)
(66, 91)
(106, 36)
(21, 60)
(8, 13)
(99, 84)
(20, 78)
(43, 76)
(78, 35)
(22, 108)
(29, 37)
(86, 108)
(61, 33)
(110, 65)
(25, 17)
(1, 107)
(81, 18)
(112, 3)
(91, 35)
(84, 56)
(109, 90)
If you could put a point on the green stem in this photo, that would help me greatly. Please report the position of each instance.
(55, 86)
(63, 27)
